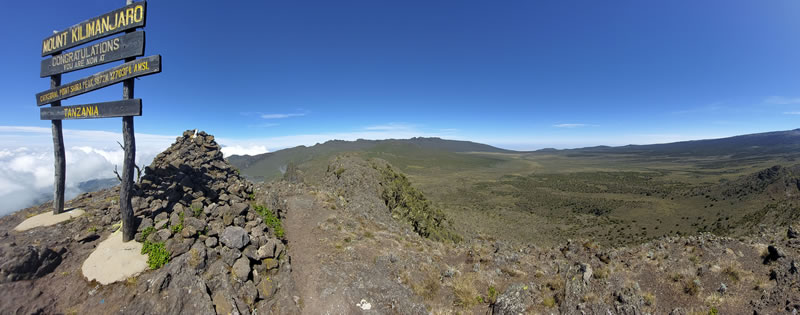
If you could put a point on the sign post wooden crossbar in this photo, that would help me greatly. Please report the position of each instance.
(117, 48)
(95, 110)
(129, 70)
(129, 17)
(126, 47)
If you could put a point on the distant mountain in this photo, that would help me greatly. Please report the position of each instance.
(449, 153)
(97, 184)
(271, 165)
(767, 143)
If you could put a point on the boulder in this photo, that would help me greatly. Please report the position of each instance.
(235, 237)
(266, 289)
(224, 303)
(211, 242)
(29, 262)
(249, 293)
(241, 269)
(230, 255)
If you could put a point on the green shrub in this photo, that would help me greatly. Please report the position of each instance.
(270, 219)
(492, 295)
(409, 204)
(178, 228)
(147, 231)
(157, 254)
(339, 172)
(197, 211)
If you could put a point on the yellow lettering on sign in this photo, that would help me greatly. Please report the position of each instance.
(141, 67)
(54, 42)
(139, 13)
(129, 16)
(121, 19)
(48, 96)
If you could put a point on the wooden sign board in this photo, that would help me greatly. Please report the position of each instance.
(117, 48)
(119, 20)
(96, 110)
(128, 70)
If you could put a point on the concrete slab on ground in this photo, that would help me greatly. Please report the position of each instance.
(114, 260)
(47, 219)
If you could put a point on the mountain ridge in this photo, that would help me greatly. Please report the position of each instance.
(435, 150)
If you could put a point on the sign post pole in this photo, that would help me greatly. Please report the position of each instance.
(126, 187)
(60, 161)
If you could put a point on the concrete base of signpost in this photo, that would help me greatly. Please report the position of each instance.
(47, 219)
(114, 260)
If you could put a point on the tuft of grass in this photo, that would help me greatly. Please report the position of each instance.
(733, 274)
(549, 301)
(270, 219)
(464, 290)
(157, 254)
(691, 286)
(600, 273)
(588, 297)
(130, 282)
(491, 294)
(428, 287)
(197, 211)
(146, 232)
(649, 299)
(555, 284)
(178, 228)
(92, 229)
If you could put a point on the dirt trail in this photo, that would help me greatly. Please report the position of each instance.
(306, 247)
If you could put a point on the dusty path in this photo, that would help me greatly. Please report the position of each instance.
(306, 244)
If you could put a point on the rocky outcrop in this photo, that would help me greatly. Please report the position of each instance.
(221, 254)
(28, 262)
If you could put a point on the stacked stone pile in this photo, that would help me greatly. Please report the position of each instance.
(199, 206)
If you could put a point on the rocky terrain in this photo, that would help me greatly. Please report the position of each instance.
(364, 240)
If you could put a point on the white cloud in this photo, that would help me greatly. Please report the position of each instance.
(26, 161)
(781, 100)
(279, 116)
(791, 113)
(243, 150)
(569, 125)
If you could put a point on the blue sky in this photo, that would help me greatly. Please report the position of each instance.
(517, 74)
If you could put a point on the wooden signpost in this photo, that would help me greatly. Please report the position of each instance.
(126, 47)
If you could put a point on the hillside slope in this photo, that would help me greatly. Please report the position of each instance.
(364, 241)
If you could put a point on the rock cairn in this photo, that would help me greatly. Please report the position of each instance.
(200, 207)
